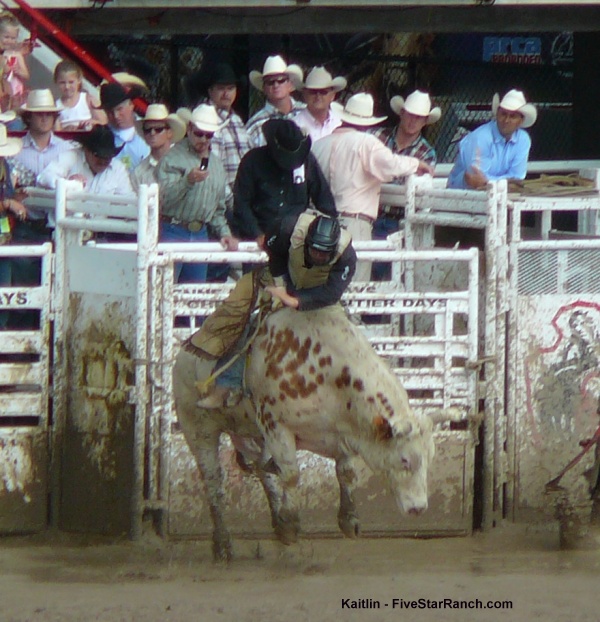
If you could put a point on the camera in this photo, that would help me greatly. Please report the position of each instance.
(203, 164)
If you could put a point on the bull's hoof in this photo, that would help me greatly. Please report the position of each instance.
(349, 525)
(287, 528)
(222, 551)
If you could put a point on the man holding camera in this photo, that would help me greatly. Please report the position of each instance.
(193, 189)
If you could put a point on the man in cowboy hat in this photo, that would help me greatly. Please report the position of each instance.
(116, 101)
(40, 147)
(499, 149)
(280, 179)
(356, 164)
(160, 130)
(319, 91)
(406, 138)
(231, 143)
(277, 81)
(193, 190)
(94, 165)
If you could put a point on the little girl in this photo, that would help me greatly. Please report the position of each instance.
(80, 110)
(14, 68)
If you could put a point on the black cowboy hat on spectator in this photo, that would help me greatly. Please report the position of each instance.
(112, 94)
(221, 73)
(100, 141)
(287, 144)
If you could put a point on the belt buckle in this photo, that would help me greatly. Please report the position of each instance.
(194, 226)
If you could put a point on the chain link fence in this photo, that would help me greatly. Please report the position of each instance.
(461, 72)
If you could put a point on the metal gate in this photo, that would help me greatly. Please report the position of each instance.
(553, 355)
(24, 396)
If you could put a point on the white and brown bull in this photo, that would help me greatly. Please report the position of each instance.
(316, 384)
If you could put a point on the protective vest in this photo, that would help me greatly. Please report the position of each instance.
(303, 277)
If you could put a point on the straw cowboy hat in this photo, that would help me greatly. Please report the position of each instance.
(358, 110)
(40, 100)
(127, 79)
(159, 112)
(286, 142)
(100, 141)
(8, 146)
(205, 118)
(514, 101)
(275, 65)
(417, 103)
(320, 78)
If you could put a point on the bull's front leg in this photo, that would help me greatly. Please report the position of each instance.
(347, 517)
(284, 513)
(280, 445)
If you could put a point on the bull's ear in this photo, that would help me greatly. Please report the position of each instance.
(383, 429)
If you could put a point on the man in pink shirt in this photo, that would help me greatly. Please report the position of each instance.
(356, 164)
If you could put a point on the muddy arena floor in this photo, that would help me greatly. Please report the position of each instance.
(66, 579)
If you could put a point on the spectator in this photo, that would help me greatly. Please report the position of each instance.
(280, 179)
(319, 91)
(10, 209)
(356, 164)
(231, 143)
(499, 149)
(406, 138)
(95, 165)
(277, 81)
(115, 100)
(193, 190)
(14, 68)
(160, 130)
(40, 148)
(79, 110)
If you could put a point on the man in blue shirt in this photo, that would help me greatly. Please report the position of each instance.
(498, 149)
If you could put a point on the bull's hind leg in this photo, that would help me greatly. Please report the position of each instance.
(347, 517)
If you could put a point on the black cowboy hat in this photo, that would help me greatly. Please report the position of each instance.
(100, 141)
(221, 73)
(287, 143)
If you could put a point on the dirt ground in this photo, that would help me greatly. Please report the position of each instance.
(61, 578)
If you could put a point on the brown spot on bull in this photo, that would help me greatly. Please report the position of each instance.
(348, 405)
(320, 379)
(317, 348)
(358, 385)
(311, 370)
(287, 388)
(282, 397)
(273, 371)
(383, 429)
(325, 361)
(385, 403)
(371, 399)
(344, 379)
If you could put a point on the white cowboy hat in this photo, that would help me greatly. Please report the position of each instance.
(275, 65)
(159, 112)
(320, 78)
(417, 103)
(8, 116)
(40, 100)
(205, 118)
(514, 101)
(8, 146)
(358, 110)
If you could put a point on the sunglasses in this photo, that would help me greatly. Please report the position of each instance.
(322, 92)
(156, 130)
(201, 134)
(274, 81)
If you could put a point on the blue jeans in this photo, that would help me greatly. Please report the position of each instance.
(189, 272)
(5, 281)
(383, 226)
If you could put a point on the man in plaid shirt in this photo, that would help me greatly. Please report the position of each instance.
(405, 139)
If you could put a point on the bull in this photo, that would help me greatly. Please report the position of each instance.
(313, 382)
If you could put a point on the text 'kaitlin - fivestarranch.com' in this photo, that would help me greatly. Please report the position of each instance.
(424, 603)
